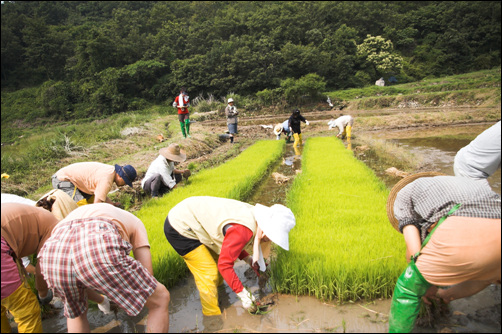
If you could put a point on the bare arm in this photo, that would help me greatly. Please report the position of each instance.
(143, 255)
(412, 238)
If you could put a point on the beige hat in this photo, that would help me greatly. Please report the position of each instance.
(278, 129)
(173, 153)
(397, 188)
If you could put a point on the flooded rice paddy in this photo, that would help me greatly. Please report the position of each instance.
(303, 314)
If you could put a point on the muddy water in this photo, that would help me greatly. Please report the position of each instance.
(304, 314)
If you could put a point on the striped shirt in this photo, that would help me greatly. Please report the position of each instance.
(424, 201)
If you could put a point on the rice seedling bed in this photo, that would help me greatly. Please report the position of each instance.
(235, 179)
(343, 245)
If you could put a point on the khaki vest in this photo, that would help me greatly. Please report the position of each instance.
(203, 218)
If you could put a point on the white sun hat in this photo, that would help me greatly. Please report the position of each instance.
(230, 100)
(278, 129)
(276, 222)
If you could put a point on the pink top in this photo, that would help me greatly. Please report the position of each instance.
(93, 178)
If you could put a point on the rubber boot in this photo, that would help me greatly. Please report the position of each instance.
(187, 126)
(231, 139)
(182, 124)
(410, 288)
(349, 132)
(301, 141)
(297, 139)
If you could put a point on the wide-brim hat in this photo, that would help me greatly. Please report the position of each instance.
(397, 188)
(173, 153)
(278, 129)
(275, 222)
(127, 173)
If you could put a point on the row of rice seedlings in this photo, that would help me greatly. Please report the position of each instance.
(343, 245)
(235, 179)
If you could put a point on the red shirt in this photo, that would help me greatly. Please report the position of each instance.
(236, 238)
(185, 104)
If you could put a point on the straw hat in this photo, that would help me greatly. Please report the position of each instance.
(173, 153)
(278, 129)
(397, 188)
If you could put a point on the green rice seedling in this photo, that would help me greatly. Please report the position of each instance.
(235, 179)
(343, 245)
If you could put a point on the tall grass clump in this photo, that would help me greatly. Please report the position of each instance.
(235, 179)
(343, 245)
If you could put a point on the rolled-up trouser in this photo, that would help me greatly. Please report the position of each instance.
(410, 287)
(24, 307)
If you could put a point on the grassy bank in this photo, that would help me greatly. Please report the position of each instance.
(342, 245)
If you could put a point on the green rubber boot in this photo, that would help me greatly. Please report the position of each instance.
(410, 288)
(182, 124)
(187, 126)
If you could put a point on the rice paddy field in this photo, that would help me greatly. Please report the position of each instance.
(235, 179)
(343, 245)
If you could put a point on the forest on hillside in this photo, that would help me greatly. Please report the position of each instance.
(103, 57)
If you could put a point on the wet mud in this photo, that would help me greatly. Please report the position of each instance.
(304, 314)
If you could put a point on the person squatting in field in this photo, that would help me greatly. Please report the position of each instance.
(161, 176)
(90, 182)
(344, 125)
(451, 226)
(231, 113)
(89, 251)
(210, 233)
(294, 124)
(283, 128)
(182, 102)
(25, 229)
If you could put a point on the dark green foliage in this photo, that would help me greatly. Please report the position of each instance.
(96, 58)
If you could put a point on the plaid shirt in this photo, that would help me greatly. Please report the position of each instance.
(424, 201)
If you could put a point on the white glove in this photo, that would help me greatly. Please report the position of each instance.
(278, 137)
(248, 300)
(307, 122)
(175, 105)
(105, 305)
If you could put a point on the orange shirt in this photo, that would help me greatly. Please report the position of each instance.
(93, 178)
(26, 227)
(130, 227)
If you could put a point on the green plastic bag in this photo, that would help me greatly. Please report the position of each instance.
(410, 287)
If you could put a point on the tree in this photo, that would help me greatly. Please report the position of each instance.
(380, 52)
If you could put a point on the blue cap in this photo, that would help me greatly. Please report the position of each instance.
(127, 173)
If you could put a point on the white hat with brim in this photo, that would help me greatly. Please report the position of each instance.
(278, 129)
(275, 222)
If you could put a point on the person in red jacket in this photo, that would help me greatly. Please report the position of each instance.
(182, 102)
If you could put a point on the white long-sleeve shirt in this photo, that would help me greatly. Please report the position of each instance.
(164, 168)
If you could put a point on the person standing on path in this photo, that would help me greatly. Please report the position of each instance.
(344, 125)
(231, 113)
(182, 102)
(481, 158)
(89, 251)
(294, 124)
(452, 229)
(161, 177)
(210, 234)
(25, 229)
(90, 182)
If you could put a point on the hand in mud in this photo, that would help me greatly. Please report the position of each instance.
(431, 295)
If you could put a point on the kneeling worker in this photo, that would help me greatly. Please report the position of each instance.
(161, 177)
(451, 226)
(203, 228)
